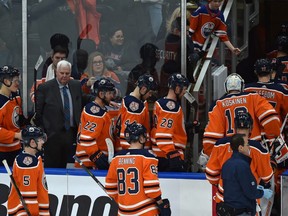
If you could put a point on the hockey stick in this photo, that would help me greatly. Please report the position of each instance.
(110, 148)
(192, 127)
(284, 123)
(37, 65)
(16, 187)
(279, 154)
(92, 175)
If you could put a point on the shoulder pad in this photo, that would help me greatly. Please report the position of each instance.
(140, 152)
(133, 104)
(26, 160)
(169, 105)
(258, 145)
(94, 109)
(223, 141)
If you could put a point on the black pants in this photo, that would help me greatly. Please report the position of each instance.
(60, 148)
(224, 210)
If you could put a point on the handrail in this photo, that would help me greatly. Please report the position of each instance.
(212, 48)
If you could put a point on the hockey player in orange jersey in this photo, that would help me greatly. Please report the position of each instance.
(273, 92)
(134, 108)
(168, 134)
(95, 127)
(132, 179)
(29, 176)
(260, 164)
(10, 111)
(224, 110)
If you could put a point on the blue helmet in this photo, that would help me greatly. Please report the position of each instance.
(262, 66)
(147, 81)
(103, 84)
(32, 132)
(134, 131)
(177, 80)
(243, 120)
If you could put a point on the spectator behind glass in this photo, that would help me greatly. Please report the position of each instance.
(119, 54)
(206, 20)
(57, 39)
(149, 60)
(80, 62)
(95, 70)
(58, 53)
(173, 46)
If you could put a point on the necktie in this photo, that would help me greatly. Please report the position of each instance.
(66, 108)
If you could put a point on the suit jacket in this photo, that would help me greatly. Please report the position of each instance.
(49, 107)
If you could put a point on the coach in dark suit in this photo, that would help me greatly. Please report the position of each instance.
(58, 109)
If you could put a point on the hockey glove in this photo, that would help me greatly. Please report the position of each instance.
(100, 159)
(267, 193)
(175, 162)
(280, 150)
(203, 160)
(164, 208)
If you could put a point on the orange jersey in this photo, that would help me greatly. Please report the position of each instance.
(132, 180)
(223, 112)
(10, 109)
(32, 92)
(133, 110)
(204, 22)
(95, 126)
(168, 133)
(260, 164)
(274, 93)
(30, 178)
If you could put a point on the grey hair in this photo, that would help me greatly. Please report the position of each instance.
(63, 63)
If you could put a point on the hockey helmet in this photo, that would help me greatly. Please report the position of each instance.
(177, 80)
(103, 84)
(7, 72)
(277, 65)
(282, 43)
(243, 120)
(147, 81)
(134, 131)
(262, 67)
(234, 82)
(32, 132)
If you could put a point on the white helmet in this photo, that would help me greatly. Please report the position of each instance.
(234, 82)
